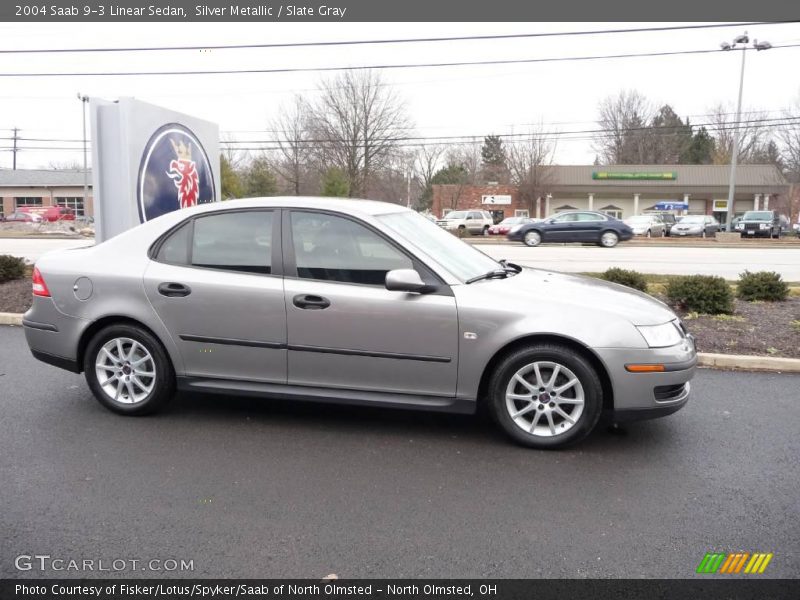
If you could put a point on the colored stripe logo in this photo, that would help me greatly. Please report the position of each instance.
(734, 563)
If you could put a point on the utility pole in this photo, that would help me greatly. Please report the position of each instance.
(84, 100)
(14, 151)
(739, 42)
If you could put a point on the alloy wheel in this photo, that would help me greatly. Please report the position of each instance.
(545, 399)
(125, 370)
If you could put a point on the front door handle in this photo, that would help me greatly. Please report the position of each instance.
(174, 290)
(310, 302)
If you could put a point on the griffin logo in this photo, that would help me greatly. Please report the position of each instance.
(183, 171)
(174, 173)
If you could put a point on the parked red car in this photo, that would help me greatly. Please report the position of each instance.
(22, 217)
(50, 213)
(504, 226)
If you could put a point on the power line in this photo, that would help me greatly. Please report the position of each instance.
(665, 130)
(413, 142)
(390, 40)
(475, 63)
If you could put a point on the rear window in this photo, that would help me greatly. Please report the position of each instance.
(235, 241)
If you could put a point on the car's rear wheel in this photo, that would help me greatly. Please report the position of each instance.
(485, 230)
(609, 239)
(663, 233)
(128, 370)
(545, 396)
(532, 238)
(649, 233)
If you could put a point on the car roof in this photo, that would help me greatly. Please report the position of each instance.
(346, 205)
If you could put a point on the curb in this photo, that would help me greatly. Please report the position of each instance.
(748, 363)
(739, 362)
(10, 318)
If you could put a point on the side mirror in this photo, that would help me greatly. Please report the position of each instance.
(406, 280)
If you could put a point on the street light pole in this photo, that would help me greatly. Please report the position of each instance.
(740, 41)
(84, 100)
(735, 147)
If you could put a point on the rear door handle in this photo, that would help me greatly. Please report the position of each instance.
(310, 302)
(174, 290)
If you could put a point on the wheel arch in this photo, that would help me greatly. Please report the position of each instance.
(549, 338)
(107, 320)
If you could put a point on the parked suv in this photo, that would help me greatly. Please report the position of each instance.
(477, 222)
(760, 223)
(669, 220)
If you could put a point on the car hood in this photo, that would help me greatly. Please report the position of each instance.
(581, 292)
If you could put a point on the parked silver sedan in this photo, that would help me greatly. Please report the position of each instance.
(356, 302)
(647, 225)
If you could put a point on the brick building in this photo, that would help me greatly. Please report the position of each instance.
(626, 190)
(39, 187)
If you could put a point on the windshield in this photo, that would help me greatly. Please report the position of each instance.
(512, 221)
(640, 219)
(755, 215)
(458, 257)
(456, 214)
(692, 220)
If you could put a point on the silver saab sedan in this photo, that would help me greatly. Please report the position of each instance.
(356, 302)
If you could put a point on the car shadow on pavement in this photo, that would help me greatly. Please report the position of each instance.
(350, 420)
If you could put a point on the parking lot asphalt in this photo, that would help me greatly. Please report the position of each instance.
(251, 488)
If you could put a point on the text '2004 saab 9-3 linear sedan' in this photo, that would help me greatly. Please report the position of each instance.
(352, 301)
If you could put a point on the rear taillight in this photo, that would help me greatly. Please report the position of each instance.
(39, 286)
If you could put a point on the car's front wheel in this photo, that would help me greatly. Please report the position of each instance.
(532, 238)
(545, 396)
(128, 370)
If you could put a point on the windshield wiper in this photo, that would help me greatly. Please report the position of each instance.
(508, 269)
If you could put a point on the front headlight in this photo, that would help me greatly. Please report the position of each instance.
(515, 229)
(661, 336)
(763, 226)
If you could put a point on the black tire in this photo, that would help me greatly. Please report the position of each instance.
(163, 387)
(649, 233)
(581, 368)
(485, 230)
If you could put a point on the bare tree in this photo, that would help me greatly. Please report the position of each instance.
(427, 159)
(293, 152)
(357, 123)
(723, 127)
(623, 121)
(789, 136)
(530, 161)
(468, 157)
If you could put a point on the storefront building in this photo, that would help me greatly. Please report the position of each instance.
(626, 190)
(42, 188)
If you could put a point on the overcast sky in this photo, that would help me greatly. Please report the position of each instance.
(441, 101)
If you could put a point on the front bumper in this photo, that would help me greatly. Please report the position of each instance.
(654, 394)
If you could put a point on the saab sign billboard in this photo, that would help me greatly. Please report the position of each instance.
(148, 161)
